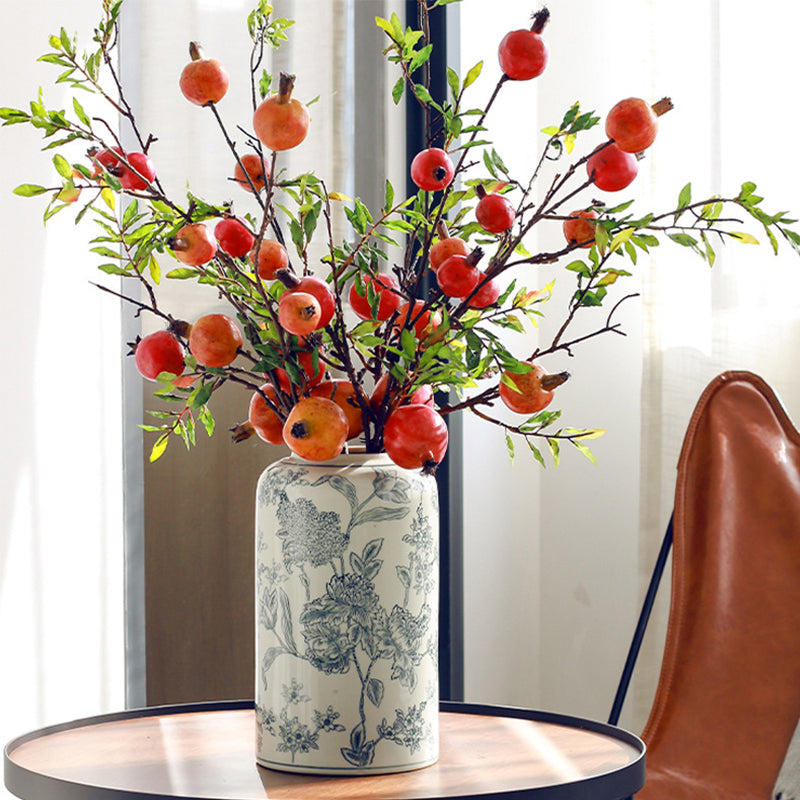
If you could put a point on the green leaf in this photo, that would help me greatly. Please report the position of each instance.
(62, 166)
(683, 239)
(510, 447)
(601, 238)
(473, 74)
(620, 238)
(201, 395)
(453, 82)
(536, 452)
(685, 197)
(585, 450)
(420, 57)
(423, 94)
(113, 269)
(29, 190)
(130, 213)
(182, 273)
(159, 447)
(555, 450)
(397, 90)
(155, 269)
(745, 238)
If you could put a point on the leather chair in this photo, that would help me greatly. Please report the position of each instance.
(728, 697)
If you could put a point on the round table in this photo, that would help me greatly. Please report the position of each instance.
(207, 751)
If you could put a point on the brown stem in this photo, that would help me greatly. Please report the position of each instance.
(662, 106)
(540, 19)
(195, 51)
(285, 88)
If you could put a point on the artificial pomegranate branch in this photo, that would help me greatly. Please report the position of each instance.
(404, 310)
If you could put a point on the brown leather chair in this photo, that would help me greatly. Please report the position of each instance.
(728, 697)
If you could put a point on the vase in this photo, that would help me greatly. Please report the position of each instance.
(347, 573)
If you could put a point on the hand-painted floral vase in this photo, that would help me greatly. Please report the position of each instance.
(347, 560)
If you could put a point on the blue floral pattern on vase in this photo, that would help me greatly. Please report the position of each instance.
(347, 617)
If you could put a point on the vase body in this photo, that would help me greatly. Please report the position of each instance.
(347, 574)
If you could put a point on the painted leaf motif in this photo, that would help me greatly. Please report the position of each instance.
(345, 487)
(404, 574)
(380, 514)
(372, 569)
(375, 691)
(286, 620)
(371, 549)
(356, 564)
(269, 657)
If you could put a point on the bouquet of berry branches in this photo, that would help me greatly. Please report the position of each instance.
(412, 316)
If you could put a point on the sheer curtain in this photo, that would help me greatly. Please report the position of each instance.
(563, 556)
(61, 609)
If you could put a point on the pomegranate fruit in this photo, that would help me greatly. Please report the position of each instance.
(387, 289)
(343, 393)
(611, 169)
(415, 436)
(459, 275)
(319, 289)
(432, 169)
(299, 312)
(311, 373)
(203, 80)
(422, 395)
(487, 295)
(578, 230)
(141, 175)
(444, 248)
(272, 256)
(158, 352)
(535, 389)
(632, 124)
(265, 421)
(234, 237)
(414, 315)
(193, 244)
(255, 169)
(281, 122)
(524, 54)
(214, 340)
(315, 429)
(494, 213)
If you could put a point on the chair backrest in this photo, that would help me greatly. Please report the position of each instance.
(728, 697)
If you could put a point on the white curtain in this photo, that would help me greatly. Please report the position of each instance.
(563, 556)
(61, 596)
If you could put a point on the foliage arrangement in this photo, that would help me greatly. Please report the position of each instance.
(408, 319)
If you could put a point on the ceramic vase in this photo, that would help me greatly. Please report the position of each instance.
(347, 574)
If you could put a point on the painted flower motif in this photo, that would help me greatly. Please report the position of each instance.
(309, 535)
(408, 729)
(390, 487)
(293, 693)
(402, 642)
(272, 491)
(420, 534)
(326, 721)
(329, 644)
(423, 575)
(267, 719)
(296, 737)
(356, 594)
(334, 623)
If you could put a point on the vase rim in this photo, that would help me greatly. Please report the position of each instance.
(344, 459)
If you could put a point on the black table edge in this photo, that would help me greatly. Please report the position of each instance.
(620, 784)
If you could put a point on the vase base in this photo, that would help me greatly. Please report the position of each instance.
(345, 772)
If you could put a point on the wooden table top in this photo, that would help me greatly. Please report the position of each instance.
(207, 751)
